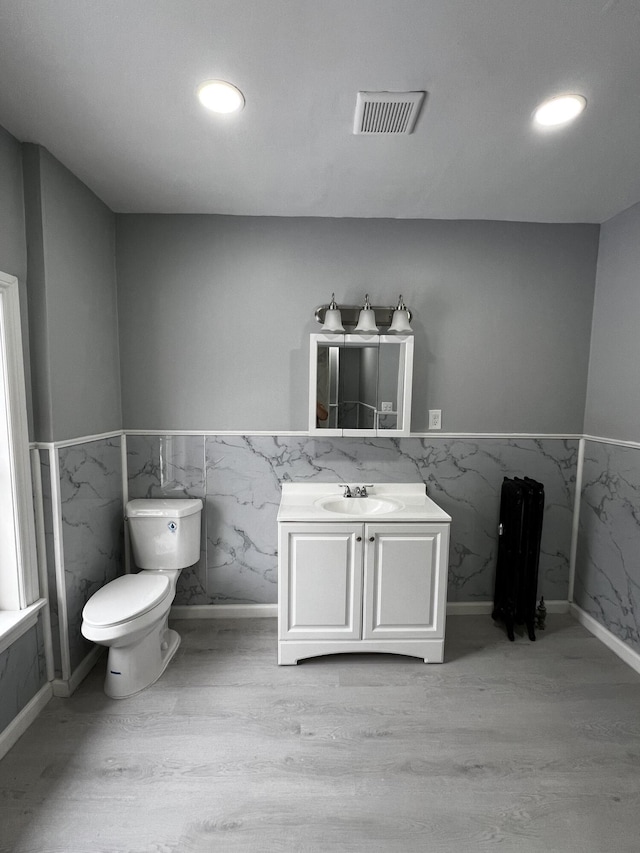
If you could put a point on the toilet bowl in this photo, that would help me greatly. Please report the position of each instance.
(129, 615)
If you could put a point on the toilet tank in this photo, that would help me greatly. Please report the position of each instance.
(165, 532)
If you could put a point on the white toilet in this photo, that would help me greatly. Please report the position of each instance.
(130, 614)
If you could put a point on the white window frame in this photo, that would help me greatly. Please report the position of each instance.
(18, 555)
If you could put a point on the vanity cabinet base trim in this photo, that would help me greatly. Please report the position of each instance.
(290, 652)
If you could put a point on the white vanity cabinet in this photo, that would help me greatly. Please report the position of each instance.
(320, 581)
(405, 583)
(362, 587)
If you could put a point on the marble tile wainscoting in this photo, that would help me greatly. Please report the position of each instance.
(239, 477)
(607, 575)
(23, 672)
(83, 519)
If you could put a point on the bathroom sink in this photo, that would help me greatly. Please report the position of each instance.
(385, 502)
(358, 506)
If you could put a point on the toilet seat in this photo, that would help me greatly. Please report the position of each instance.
(126, 598)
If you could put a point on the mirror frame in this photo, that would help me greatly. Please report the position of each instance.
(405, 380)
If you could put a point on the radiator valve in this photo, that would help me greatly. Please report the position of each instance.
(541, 615)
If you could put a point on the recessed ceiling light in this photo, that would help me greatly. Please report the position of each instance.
(559, 110)
(220, 96)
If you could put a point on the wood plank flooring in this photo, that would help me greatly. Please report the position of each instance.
(507, 746)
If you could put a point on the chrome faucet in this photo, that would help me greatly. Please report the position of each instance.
(358, 492)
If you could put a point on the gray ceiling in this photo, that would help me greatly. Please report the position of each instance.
(108, 87)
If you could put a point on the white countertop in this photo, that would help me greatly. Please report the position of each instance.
(410, 502)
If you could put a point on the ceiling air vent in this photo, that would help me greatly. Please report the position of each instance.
(387, 112)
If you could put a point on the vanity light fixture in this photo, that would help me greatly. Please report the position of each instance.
(400, 321)
(559, 110)
(332, 317)
(220, 96)
(367, 318)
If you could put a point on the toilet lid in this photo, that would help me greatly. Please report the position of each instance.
(125, 598)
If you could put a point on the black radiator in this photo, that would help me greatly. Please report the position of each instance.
(521, 510)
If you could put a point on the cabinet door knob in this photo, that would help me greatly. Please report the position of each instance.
(358, 538)
(372, 539)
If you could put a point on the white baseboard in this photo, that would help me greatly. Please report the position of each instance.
(481, 608)
(18, 726)
(617, 646)
(64, 688)
(252, 611)
(223, 611)
(469, 608)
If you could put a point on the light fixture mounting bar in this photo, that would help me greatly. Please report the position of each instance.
(351, 313)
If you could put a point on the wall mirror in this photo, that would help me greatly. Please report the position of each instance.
(360, 384)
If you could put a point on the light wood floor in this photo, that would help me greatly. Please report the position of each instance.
(508, 746)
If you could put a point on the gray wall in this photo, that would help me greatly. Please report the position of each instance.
(13, 246)
(607, 583)
(76, 381)
(613, 399)
(215, 314)
(72, 298)
(13, 243)
(22, 669)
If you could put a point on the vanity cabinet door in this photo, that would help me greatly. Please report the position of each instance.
(405, 580)
(320, 582)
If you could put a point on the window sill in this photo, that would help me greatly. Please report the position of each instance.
(15, 623)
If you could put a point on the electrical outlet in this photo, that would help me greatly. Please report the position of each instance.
(386, 407)
(435, 418)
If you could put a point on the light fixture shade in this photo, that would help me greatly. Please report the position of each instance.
(333, 317)
(400, 321)
(367, 318)
(333, 321)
